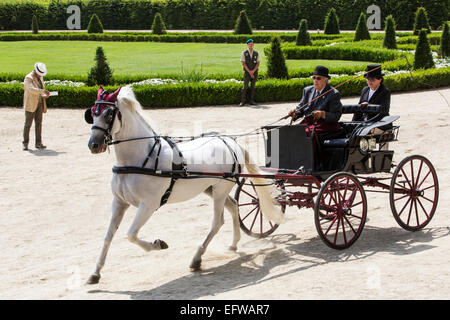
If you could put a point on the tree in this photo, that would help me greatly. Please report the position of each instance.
(34, 25)
(445, 41)
(421, 21)
(423, 58)
(331, 22)
(101, 73)
(95, 25)
(362, 32)
(303, 37)
(243, 25)
(276, 64)
(158, 26)
(389, 33)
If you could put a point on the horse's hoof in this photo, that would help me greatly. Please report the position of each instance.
(162, 244)
(195, 265)
(232, 248)
(93, 279)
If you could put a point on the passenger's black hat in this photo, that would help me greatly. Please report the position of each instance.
(372, 73)
(321, 71)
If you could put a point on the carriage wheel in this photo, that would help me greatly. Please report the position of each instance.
(414, 192)
(340, 211)
(251, 218)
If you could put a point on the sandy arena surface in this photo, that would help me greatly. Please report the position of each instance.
(55, 207)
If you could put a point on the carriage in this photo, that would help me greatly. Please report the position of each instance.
(333, 174)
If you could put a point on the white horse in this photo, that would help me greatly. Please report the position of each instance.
(120, 116)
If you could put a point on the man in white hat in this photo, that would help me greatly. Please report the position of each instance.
(34, 104)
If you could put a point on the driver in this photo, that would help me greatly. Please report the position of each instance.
(322, 114)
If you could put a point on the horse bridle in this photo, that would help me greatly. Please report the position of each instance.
(109, 119)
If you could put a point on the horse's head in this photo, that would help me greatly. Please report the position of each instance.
(102, 115)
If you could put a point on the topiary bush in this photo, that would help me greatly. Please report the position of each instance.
(303, 37)
(95, 25)
(362, 32)
(423, 58)
(444, 48)
(243, 25)
(158, 26)
(421, 21)
(101, 73)
(276, 64)
(34, 25)
(331, 23)
(389, 41)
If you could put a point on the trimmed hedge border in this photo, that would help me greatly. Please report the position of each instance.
(198, 94)
(205, 37)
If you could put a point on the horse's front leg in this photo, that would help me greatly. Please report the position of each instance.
(118, 211)
(145, 211)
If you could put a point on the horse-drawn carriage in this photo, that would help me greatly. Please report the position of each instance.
(333, 174)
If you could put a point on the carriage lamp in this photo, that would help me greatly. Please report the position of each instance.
(372, 144)
(363, 144)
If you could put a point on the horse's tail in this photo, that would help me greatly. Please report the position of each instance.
(268, 208)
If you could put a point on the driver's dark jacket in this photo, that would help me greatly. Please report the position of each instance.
(329, 102)
(381, 97)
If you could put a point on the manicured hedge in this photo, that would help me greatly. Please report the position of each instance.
(338, 52)
(213, 14)
(207, 37)
(197, 94)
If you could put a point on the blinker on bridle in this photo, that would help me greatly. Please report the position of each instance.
(97, 110)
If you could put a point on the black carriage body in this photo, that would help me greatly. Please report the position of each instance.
(290, 148)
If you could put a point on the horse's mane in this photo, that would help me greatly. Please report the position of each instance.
(127, 98)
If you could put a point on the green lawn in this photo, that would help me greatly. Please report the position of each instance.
(133, 58)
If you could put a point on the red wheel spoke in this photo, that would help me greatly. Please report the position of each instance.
(427, 199)
(406, 177)
(417, 215)
(346, 187)
(418, 174)
(418, 187)
(429, 187)
(261, 222)
(424, 211)
(249, 194)
(348, 222)
(343, 232)
(412, 172)
(403, 187)
(410, 210)
(247, 204)
(332, 223)
(406, 195)
(253, 223)
(250, 213)
(401, 211)
(337, 231)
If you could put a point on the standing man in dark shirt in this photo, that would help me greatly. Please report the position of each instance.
(250, 61)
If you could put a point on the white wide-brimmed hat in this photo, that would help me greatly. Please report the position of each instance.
(40, 68)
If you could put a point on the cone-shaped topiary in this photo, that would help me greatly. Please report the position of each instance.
(101, 73)
(95, 25)
(389, 41)
(423, 58)
(243, 25)
(331, 22)
(445, 41)
(158, 26)
(34, 25)
(421, 21)
(303, 37)
(362, 32)
(276, 64)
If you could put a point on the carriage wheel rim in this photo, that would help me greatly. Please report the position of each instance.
(340, 211)
(414, 192)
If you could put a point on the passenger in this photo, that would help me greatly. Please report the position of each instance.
(374, 93)
(322, 114)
